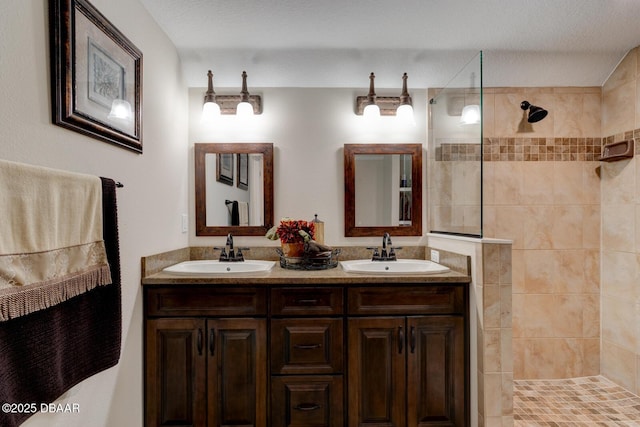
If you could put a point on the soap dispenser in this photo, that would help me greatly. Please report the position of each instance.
(319, 230)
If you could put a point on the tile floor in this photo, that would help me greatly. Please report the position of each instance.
(586, 401)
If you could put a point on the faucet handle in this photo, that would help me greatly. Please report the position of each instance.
(239, 254)
(375, 251)
(223, 252)
(392, 252)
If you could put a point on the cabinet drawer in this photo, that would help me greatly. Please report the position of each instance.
(306, 346)
(206, 301)
(445, 299)
(307, 401)
(306, 301)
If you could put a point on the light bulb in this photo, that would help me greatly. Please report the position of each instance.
(404, 113)
(244, 109)
(371, 111)
(210, 110)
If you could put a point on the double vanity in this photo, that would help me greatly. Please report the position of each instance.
(363, 344)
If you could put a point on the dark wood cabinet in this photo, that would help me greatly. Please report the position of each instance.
(307, 356)
(377, 371)
(412, 369)
(205, 372)
(175, 386)
(436, 364)
(237, 372)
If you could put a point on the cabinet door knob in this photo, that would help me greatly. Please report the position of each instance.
(199, 342)
(400, 339)
(306, 407)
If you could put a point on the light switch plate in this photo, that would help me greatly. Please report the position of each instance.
(435, 255)
(185, 223)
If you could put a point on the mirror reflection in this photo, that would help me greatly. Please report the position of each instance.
(234, 189)
(383, 189)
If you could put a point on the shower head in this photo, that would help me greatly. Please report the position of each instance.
(535, 113)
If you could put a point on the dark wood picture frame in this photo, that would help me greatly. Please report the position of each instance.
(243, 171)
(224, 168)
(350, 151)
(93, 64)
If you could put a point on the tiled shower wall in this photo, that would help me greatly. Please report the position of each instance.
(541, 190)
(621, 229)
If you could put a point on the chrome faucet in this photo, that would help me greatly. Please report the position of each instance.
(228, 253)
(385, 255)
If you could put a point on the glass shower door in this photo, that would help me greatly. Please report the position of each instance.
(455, 154)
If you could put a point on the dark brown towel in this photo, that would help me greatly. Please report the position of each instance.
(45, 353)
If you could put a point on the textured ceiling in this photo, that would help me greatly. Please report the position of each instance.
(336, 43)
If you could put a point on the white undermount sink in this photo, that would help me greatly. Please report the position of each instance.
(401, 266)
(217, 267)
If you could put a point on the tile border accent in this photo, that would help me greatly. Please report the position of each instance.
(541, 149)
(530, 149)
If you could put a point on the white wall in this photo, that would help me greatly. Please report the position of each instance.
(308, 128)
(155, 192)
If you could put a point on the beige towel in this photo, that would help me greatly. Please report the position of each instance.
(243, 213)
(51, 245)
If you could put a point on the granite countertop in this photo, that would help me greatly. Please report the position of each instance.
(282, 276)
(152, 273)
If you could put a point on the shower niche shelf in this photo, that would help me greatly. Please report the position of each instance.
(617, 151)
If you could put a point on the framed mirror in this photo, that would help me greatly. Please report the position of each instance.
(234, 188)
(382, 189)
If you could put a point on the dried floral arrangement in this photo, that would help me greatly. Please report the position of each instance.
(292, 231)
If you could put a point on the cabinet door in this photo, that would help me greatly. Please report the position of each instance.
(175, 373)
(376, 375)
(436, 371)
(237, 377)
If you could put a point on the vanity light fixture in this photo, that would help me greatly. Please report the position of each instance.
(371, 110)
(244, 108)
(210, 108)
(386, 105)
(404, 112)
(470, 115)
(215, 104)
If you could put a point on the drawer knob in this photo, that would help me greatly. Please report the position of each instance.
(307, 407)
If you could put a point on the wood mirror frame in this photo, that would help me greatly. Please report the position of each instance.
(200, 151)
(350, 151)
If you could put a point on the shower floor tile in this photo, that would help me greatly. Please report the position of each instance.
(586, 401)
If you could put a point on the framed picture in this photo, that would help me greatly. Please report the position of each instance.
(243, 171)
(95, 75)
(224, 168)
